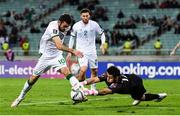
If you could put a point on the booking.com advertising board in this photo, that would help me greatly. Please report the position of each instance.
(146, 70)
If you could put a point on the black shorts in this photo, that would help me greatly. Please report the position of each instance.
(137, 88)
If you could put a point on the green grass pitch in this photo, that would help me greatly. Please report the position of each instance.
(52, 97)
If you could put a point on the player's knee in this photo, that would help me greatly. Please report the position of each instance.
(64, 71)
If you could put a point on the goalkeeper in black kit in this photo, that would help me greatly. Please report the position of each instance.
(122, 84)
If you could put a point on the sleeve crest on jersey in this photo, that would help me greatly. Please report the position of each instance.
(55, 31)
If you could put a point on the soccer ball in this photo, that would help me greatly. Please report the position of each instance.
(75, 68)
(77, 95)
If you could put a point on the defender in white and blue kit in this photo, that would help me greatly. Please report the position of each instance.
(85, 33)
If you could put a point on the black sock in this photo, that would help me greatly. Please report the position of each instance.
(149, 97)
(69, 76)
(32, 82)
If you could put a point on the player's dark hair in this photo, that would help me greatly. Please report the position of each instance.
(113, 71)
(66, 18)
(85, 10)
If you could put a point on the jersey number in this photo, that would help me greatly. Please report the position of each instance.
(85, 34)
(62, 61)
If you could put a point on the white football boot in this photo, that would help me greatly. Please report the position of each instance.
(16, 102)
(136, 102)
(161, 97)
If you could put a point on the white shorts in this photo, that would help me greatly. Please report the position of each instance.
(88, 58)
(45, 63)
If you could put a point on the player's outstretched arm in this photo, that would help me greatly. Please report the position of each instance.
(103, 91)
(71, 44)
(62, 47)
(174, 49)
(90, 81)
(102, 48)
(172, 52)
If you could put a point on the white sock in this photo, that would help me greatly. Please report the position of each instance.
(93, 86)
(74, 82)
(25, 89)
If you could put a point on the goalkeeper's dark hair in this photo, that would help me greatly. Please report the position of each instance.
(113, 71)
(85, 10)
(66, 18)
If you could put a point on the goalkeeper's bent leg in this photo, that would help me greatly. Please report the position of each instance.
(149, 97)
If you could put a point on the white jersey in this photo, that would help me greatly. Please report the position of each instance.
(86, 35)
(47, 46)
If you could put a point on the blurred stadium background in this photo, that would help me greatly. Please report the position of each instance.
(141, 22)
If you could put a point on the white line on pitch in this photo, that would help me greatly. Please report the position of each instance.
(67, 101)
(96, 99)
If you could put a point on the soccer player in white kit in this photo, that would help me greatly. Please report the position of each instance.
(85, 32)
(51, 48)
